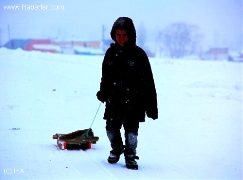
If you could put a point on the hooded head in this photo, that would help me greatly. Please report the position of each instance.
(124, 23)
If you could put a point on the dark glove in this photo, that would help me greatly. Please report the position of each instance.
(101, 96)
(152, 114)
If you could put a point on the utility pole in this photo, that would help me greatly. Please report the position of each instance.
(103, 37)
(103, 32)
(8, 32)
(11, 43)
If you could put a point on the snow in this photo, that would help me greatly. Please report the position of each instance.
(88, 50)
(47, 47)
(198, 134)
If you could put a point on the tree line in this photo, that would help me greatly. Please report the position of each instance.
(180, 39)
(176, 40)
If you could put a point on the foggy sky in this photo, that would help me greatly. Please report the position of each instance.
(219, 20)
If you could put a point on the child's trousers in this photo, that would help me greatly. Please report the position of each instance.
(113, 128)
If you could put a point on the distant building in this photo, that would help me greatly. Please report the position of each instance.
(80, 47)
(69, 46)
(17, 43)
(43, 45)
(215, 54)
(47, 45)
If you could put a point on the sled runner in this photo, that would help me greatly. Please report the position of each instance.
(80, 139)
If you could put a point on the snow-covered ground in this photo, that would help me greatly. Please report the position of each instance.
(198, 134)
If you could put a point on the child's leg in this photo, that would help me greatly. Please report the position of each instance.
(131, 134)
(114, 134)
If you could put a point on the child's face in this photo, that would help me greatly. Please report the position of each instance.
(121, 37)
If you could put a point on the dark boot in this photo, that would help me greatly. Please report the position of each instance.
(131, 163)
(115, 155)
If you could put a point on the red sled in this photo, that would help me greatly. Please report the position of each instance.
(80, 139)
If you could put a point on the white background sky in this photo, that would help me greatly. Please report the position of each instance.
(219, 20)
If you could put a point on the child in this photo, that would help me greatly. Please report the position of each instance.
(127, 87)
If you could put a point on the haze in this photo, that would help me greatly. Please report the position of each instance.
(220, 21)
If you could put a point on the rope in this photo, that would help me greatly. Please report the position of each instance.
(85, 134)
